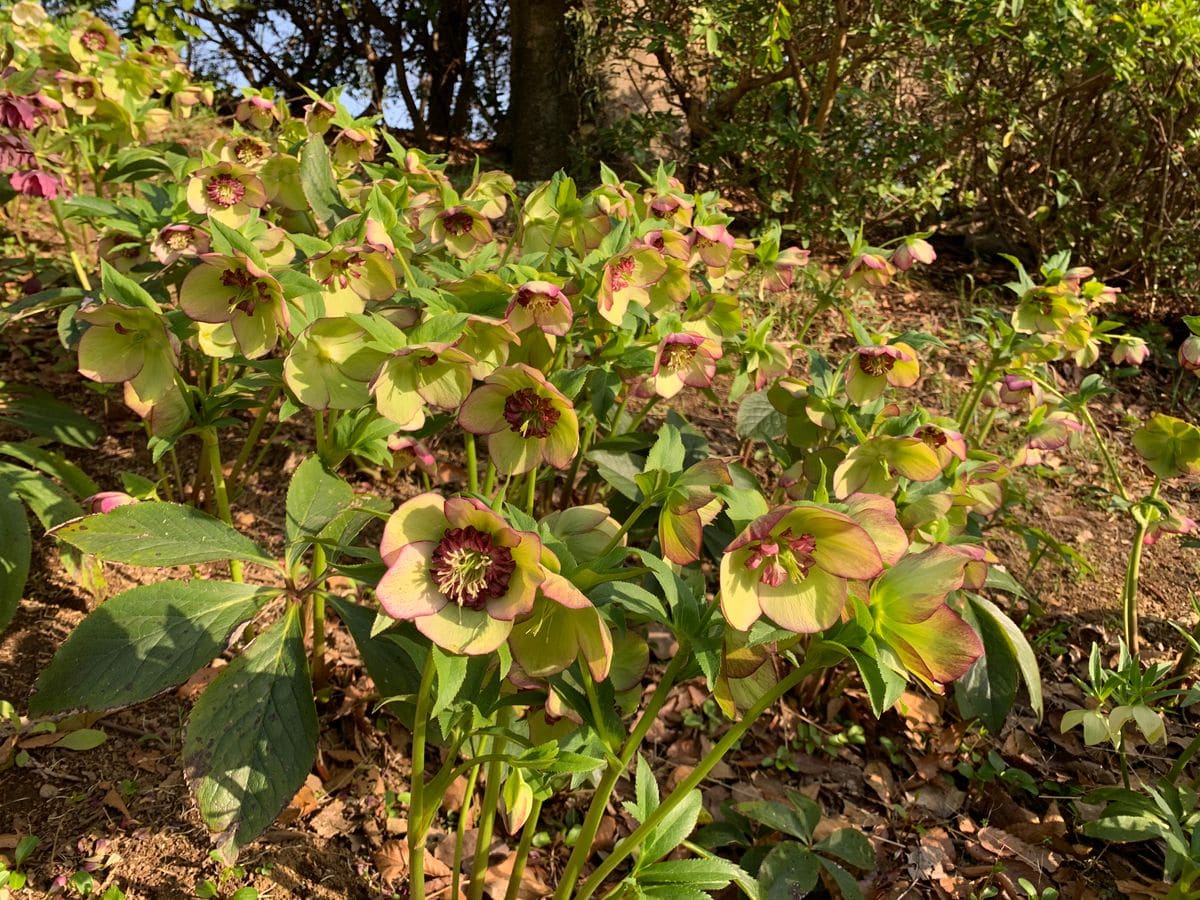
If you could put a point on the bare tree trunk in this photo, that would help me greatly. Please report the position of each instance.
(448, 66)
(543, 109)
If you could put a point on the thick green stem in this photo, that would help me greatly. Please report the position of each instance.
(416, 805)
(212, 455)
(518, 869)
(568, 490)
(464, 815)
(608, 782)
(1132, 574)
(531, 490)
(1111, 464)
(489, 479)
(318, 617)
(643, 412)
(472, 462)
(625, 526)
(685, 787)
(256, 428)
(319, 429)
(967, 411)
(487, 814)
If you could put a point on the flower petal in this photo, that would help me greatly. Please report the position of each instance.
(808, 607)
(457, 629)
(739, 591)
(420, 519)
(406, 590)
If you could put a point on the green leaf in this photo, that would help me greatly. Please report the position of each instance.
(314, 498)
(674, 829)
(645, 790)
(843, 879)
(667, 454)
(779, 817)
(451, 675)
(710, 874)
(15, 548)
(788, 871)
(143, 641)
(390, 667)
(72, 477)
(124, 290)
(316, 180)
(252, 736)
(33, 410)
(46, 500)
(159, 534)
(989, 688)
(849, 845)
(83, 739)
(619, 469)
(757, 418)
(1023, 652)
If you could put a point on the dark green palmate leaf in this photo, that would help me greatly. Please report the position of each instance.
(252, 736)
(314, 498)
(159, 534)
(316, 180)
(143, 641)
(989, 688)
(34, 410)
(15, 548)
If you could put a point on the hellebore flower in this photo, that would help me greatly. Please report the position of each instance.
(563, 626)
(585, 530)
(1170, 523)
(80, 93)
(908, 605)
(1047, 310)
(1017, 390)
(16, 152)
(792, 565)
(236, 290)
(540, 304)
(408, 451)
(122, 251)
(684, 358)
(246, 151)
(1054, 431)
(1170, 446)
(257, 112)
(26, 13)
(36, 183)
(913, 250)
(1133, 351)
(106, 501)
(712, 245)
(351, 276)
(460, 229)
(945, 442)
(690, 506)
(178, 241)
(526, 420)
(125, 343)
(17, 113)
(1189, 354)
(871, 368)
(92, 37)
(458, 571)
(491, 191)
(873, 467)
(627, 278)
(869, 270)
(487, 341)
(351, 146)
(783, 275)
(437, 373)
(329, 366)
(227, 192)
(318, 116)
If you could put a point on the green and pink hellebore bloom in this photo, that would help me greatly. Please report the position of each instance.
(684, 358)
(873, 368)
(237, 290)
(540, 304)
(227, 192)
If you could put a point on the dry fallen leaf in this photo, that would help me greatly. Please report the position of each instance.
(391, 861)
(1008, 846)
(499, 876)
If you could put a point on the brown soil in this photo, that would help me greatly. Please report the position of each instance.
(937, 834)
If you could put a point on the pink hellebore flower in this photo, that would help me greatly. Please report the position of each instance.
(913, 250)
(713, 245)
(257, 112)
(946, 443)
(106, 501)
(226, 191)
(460, 229)
(237, 290)
(526, 420)
(17, 113)
(318, 116)
(1129, 351)
(178, 241)
(1017, 390)
(16, 152)
(409, 451)
(684, 358)
(1189, 354)
(792, 565)
(869, 270)
(458, 571)
(874, 367)
(1172, 523)
(783, 275)
(627, 278)
(542, 305)
(36, 183)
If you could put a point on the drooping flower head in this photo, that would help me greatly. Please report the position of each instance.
(246, 151)
(712, 245)
(1018, 390)
(330, 367)
(106, 501)
(1133, 351)
(437, 374)
(351, 276)
(178, 241)
(913, 250)
(684, 358)
(946, 442)
(792, 565)
(460, 229)
(627, 278)
(92, 37)
(17, 113)
(318, 116)
(36, 183)
(124, 344)
(227, 192)
(872, 368)
(351, 146)
(870, 270)
(783, 275)
(235, 289)
(526, 420)
(1189, 354)
(542, 305)
(458, 571)
(257, 112)
(563, 626)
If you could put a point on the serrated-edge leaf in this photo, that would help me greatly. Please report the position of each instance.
(674, 829)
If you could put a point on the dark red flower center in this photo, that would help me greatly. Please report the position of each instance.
(876, 363)
(620, 272)
(94, 39)
(470, 569)
(678, 356)
(249, 151)
(528, 414)
(535, 301)
(83, 90)
(779, 558)
(248, 292)
(225, 191)
(932, 436)
(457, 223)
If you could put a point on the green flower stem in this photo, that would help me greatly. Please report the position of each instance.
(212, 456)
(461, 831)
(1132, 574)
(1113, 472)
(319, 429)
(589, 688)
(319, 566)
(518, 869)
(568, 489)
(416, 804)
(643, 412)
(80, 272)
(489, 479)
(625, 526)
(967, 410)
(987, 426)
(809, 319)
(616, 419)
(612, 774)
(256, 428)
(685, 787)
(472, 462)
(531, 490)
(487, 815)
